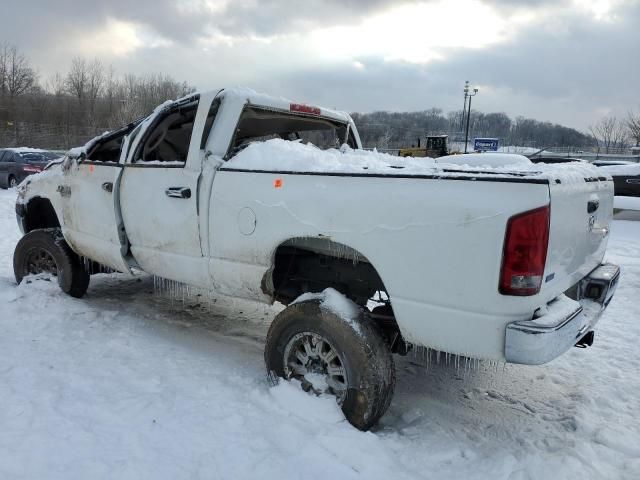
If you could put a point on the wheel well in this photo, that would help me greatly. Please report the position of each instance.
(304, 265)
(40, 214)
(311, 264)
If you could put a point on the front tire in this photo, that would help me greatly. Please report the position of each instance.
(331, 353)
(46, 251)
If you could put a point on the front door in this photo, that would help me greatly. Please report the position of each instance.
(90, 224)
(159, 196)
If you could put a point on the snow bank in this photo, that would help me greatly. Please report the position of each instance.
(282, 155)
(486, 159)
(621, 170)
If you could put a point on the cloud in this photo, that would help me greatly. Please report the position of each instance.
(561, 61)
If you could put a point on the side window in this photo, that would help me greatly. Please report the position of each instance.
(109, 146)
(107, 151)
(168, 138)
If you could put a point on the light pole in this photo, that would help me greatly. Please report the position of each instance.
(464, 108)
(466, 135)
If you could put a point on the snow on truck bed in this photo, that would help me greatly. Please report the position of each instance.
(129, 383)
(286, 156)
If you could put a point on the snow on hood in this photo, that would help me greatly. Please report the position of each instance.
(278, 155)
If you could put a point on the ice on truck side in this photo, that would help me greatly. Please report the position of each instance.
(270, 200)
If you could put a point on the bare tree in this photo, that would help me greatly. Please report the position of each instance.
(95, 80)
(609, 133)
(633, 125)
(384, 139)
(4, 54)
(16, 74)
(55, 84)
(77, 78)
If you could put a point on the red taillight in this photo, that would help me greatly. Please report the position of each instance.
(525, 252)
(31, 169)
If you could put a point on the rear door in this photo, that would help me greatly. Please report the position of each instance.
(159, 194)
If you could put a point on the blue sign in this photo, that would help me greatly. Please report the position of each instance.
(486, 144)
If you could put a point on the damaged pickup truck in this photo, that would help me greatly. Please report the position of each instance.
(264, 199)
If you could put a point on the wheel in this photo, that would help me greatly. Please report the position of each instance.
(13, 183)
(330, 352)
(45, 251)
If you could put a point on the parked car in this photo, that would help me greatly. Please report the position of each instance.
(495, 264)
(16, 164)
(626, 177)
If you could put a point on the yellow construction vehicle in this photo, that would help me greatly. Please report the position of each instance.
(435, 146)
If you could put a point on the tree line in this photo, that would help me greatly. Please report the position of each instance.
(66, 109)
(394, 130)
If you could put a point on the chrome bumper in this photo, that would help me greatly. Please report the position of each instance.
(538, 341)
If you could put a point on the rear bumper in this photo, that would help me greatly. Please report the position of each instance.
(538, 341)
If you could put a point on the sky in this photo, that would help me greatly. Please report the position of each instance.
(570, 62)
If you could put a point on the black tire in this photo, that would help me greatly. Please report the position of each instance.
(46, 251)
(12, 182)
(370, 371)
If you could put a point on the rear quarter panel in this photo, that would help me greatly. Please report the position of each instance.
(436, 244)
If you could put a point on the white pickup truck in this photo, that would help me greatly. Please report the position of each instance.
(226, 191)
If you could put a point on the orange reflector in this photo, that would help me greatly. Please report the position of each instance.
(277, 183)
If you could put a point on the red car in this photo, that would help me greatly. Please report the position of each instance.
(16, 164)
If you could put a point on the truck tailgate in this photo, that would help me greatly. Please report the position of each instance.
(581, 213)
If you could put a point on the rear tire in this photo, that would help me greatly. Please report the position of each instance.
(357, 348)
(12, 182)
(46, 251)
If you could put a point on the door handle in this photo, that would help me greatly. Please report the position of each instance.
(107, 187)
(178, 192)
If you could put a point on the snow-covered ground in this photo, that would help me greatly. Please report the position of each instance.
(129, 384)
(626, 208)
